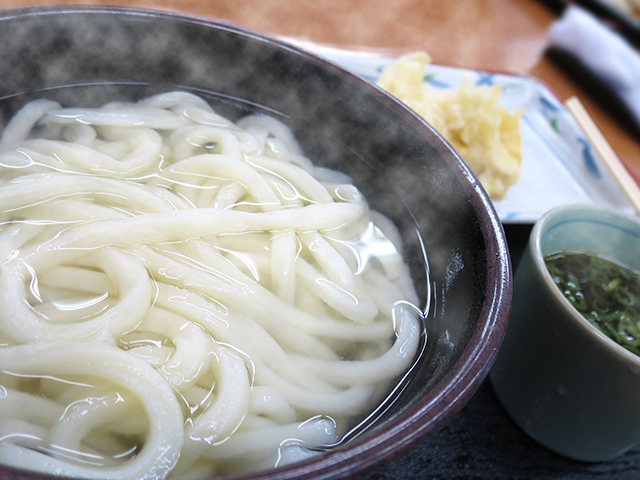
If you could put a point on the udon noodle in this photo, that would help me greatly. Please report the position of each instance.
(183, 296)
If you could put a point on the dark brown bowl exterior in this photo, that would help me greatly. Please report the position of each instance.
(404, 168)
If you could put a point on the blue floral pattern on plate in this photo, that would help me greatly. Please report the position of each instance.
(558, 165)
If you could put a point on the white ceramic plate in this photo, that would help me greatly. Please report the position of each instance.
(558, 165)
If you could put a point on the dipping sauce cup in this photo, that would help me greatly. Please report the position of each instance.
(562, 380)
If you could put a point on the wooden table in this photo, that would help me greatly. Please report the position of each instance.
(481, 442)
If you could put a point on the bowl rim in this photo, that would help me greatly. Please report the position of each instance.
(458, 385)
(539, 229)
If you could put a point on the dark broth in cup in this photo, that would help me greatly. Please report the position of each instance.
(605, 291)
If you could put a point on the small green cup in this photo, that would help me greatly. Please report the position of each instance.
(563, 381)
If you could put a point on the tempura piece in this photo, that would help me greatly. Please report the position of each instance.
(485, 134)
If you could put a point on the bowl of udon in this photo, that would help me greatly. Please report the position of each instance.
(223, 256)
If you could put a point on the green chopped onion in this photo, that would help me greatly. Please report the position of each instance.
(605, 291)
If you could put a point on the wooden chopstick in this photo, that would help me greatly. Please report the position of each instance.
(595, 137)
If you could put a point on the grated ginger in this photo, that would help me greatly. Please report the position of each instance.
(485, 134)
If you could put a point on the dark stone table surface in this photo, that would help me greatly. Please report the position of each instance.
(481, 442)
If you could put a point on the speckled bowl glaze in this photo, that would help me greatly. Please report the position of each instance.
(87, 55)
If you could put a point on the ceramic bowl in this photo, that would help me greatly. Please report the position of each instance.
(87, 55)
(563, 381)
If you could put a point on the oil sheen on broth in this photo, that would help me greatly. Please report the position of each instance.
(605, 291)
(184, 296)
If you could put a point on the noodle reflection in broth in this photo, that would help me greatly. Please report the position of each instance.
(186, 296)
